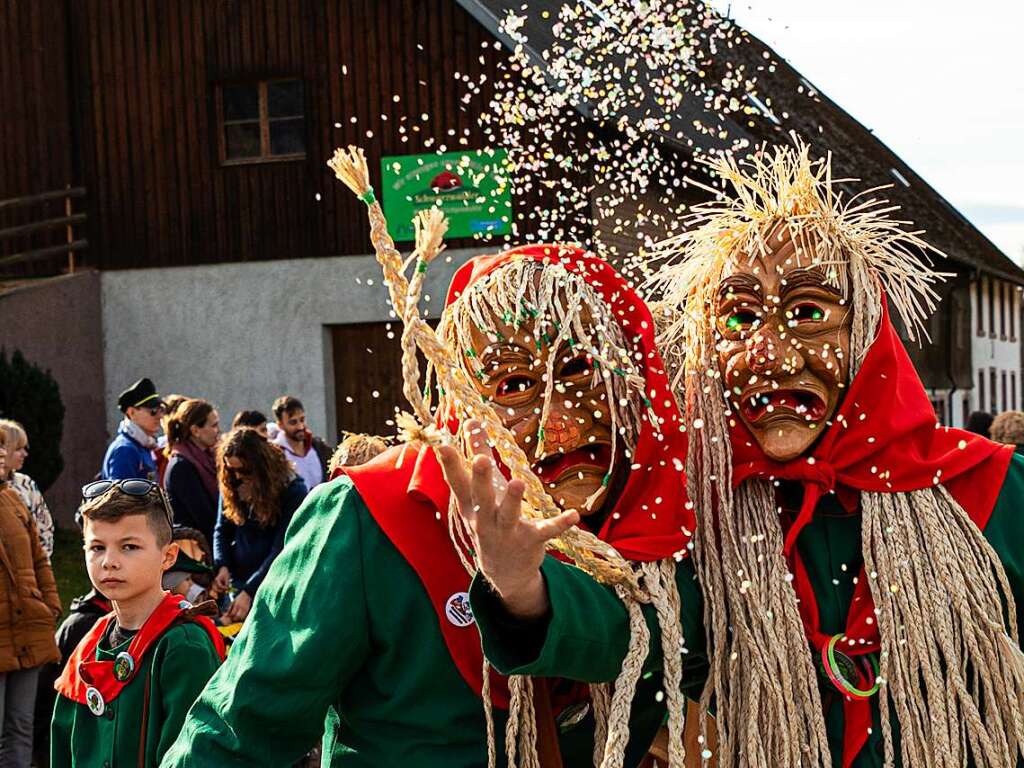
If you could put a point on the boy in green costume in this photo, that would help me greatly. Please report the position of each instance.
(125, 690)
(860, 564)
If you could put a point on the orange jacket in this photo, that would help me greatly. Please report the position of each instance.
(29, 604)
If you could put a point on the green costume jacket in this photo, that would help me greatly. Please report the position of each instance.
(343, 624)
(831, 549)
(178, 665)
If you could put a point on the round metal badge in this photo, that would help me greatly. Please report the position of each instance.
(124, 666)
(458, 611)
(95, 701)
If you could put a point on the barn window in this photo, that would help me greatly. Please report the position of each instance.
(980, 306)
(261, 121)
(1004, 296)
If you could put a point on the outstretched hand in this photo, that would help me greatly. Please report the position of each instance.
(509, 546)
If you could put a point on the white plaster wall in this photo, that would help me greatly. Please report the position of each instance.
(241, 334)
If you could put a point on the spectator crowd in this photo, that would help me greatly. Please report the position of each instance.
(182, 519)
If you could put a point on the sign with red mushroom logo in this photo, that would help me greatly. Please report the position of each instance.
(470, 187)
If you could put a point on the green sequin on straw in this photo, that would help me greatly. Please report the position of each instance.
(368, 197)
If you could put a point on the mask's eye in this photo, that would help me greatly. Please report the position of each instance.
(808, 313)
(741, 320)
(578, 366)
(515, 385)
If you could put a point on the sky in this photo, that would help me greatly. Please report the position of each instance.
(941, 83)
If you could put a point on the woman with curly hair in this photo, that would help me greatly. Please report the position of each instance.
(259, 492)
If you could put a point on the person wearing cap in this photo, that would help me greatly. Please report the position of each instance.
(130, 454)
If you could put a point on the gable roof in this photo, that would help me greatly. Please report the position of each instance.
(796, 105)
(785, 102)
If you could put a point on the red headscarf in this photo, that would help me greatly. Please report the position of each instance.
(408, 496)
(884, 438)
(653, 521)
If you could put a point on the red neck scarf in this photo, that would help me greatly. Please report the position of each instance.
(884, 438)
(651, 520)
(84, 671)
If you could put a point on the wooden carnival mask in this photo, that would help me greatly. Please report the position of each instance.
(783, 344)
(576, 436)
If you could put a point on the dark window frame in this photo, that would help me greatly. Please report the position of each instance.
(991, 308)
(980, 293)
(265, 120)
(1006, 399)
(993, 406)
(1011, 310)
(1002, 310)
(981, 390)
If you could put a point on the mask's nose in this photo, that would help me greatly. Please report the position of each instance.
(562, 432)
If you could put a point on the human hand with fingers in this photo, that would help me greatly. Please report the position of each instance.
(509, 546)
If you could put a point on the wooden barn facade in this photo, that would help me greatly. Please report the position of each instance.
(201, 130)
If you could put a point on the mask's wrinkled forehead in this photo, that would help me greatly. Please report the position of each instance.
(782, 257)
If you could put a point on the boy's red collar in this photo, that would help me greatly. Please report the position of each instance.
(95, 683)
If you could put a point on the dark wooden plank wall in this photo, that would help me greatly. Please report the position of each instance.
(150, 68)
(35, 123)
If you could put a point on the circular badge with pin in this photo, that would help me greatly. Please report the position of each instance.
(124, 666)
(94, 699)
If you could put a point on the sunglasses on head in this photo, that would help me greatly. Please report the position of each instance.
(130, 487)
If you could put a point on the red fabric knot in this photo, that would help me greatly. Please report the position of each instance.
(819, 478)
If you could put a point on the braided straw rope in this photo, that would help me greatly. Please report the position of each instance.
(430, 226)
(588, 552)
(601, 700)
(660, 580)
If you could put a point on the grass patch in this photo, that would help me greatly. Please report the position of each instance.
(68, 563)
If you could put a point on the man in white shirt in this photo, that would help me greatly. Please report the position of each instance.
(297, 441)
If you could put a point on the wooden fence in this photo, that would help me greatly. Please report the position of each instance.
(50, 228)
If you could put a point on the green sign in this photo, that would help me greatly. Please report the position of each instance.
(470, 187)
